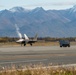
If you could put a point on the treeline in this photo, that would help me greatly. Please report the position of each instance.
(57, 39)
(7, 39)
(47, 39)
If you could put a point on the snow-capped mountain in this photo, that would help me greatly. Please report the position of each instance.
(73, 9)
(18, 9)
(38, 9)
(53, 23)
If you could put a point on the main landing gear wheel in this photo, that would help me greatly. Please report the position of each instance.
(31, 44)
(24, 44)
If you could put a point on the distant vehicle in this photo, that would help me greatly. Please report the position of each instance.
(64, 43)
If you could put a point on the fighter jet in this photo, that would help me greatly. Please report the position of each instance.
(25, 40)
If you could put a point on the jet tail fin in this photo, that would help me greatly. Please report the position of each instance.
(18, 32)
(35, 38)
(26, 37)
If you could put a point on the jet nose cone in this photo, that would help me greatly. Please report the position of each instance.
(20, 40)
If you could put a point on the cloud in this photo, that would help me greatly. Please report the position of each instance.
(52, 4)
(63, 4)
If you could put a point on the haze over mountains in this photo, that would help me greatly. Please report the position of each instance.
(47, 23)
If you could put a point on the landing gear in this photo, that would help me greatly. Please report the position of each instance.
(31, 44)
(24, 44)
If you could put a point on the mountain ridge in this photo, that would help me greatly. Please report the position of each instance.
(47, 23)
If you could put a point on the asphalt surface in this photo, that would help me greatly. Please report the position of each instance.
(37, 54)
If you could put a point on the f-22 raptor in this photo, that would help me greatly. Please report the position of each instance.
(25, 40)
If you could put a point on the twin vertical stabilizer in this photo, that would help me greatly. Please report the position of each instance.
(26, 37)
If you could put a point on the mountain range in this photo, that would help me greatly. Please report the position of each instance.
(46, 23)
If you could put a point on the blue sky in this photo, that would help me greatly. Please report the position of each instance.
(31, 4)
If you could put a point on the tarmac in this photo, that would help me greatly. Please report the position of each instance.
(37, 54)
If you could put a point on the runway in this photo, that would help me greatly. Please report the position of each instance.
(37, 54)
